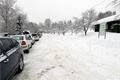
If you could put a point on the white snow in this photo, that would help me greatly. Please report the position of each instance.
(73, 57)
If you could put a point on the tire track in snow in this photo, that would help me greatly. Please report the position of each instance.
(43, 72)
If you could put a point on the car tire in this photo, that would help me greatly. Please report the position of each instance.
(21, 65)
(27, 51)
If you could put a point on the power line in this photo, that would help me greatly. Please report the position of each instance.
(99, 3)
(113, 4)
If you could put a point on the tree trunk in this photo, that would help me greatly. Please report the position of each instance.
(6, 26)
(85, 30)
(86, 33)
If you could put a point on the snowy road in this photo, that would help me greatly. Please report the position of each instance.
(73, 58)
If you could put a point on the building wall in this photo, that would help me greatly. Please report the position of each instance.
(110, 27)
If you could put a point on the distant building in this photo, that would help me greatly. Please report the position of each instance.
(112, 23)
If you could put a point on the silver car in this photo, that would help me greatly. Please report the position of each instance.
(25, 42)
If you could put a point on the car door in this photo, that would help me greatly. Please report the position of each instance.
(2, 57)
(8, 64)
(16, 49)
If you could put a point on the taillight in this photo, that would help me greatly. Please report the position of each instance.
(23, 43)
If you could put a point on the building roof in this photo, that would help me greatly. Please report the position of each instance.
(108, 19)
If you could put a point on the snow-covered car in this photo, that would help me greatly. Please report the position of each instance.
(35, 37)
(25, 42)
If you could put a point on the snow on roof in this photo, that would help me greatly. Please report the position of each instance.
(108, 19)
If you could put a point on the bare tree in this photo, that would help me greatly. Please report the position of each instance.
(102, 15)
(32, 27)
(69, 26)
(7, 11)
(77, 25)
(41, 27)
(48, 24)
(87, 18)
(21, 21)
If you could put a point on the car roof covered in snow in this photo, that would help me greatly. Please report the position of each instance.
(18, 35)
(108, 19)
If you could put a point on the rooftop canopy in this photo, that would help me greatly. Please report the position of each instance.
(108, 19)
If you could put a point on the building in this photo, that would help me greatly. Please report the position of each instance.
(112, 23)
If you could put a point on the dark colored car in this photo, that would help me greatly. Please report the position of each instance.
(11, 58)
(35, 37)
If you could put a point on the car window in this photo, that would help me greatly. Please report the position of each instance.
(26, 32)
(34, 34)
(28, 37)
(6, 44)
(18, 37)
(15, 43)
(0, 48)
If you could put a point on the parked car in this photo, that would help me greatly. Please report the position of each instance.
(31, 38)
(25, 42)
(11, 58)
(40, 34)
(35, 37)
(28, 33)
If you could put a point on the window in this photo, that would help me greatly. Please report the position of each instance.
(28, 37)
(6, 44)
(26, 32)
(0, 48)
(15, 43)
(34, 34)
(18, 37)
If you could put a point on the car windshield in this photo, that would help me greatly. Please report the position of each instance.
(34, 35)
(26, 32)
(18, 37)
(28, 37)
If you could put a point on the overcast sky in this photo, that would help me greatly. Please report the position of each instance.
(39, 10)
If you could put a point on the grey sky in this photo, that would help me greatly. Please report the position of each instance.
(39, 10)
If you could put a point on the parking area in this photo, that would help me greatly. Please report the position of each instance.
(71, 58)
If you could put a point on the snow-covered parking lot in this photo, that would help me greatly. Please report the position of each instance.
(73, 57)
